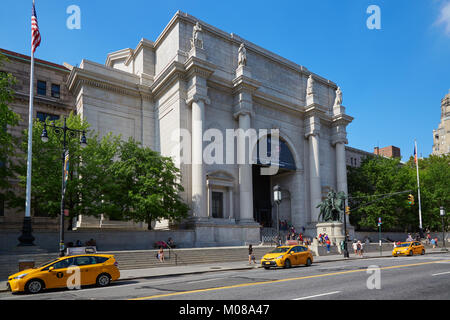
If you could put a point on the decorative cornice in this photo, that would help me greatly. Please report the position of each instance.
(198, 67)
(79, 77)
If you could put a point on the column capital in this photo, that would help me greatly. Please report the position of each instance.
(312, 126)
(338, 140)
(196, 97)
(314, 133)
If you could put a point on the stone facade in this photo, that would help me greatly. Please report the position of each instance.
(441, 136)
(354, 157)
(194, 78)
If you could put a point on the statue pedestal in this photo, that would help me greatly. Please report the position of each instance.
(334, 230)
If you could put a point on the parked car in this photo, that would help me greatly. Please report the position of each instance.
(287, 256)
(93, 269)
(408, 249)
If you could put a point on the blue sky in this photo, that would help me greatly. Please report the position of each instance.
(392, 79)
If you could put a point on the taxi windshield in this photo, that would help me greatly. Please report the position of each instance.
(280, 250)
(46, 263)
(406, 244)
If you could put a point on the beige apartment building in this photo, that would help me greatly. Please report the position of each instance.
(441, 136)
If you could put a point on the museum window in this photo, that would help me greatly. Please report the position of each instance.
(41, 88)
(56, 90)
(42, 116)
(217, 204)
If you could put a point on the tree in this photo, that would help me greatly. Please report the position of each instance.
(96, 187)
(434, 188)
(149, 184)
(8, 118)
(377, 176)
(121, 180)
(46, 173)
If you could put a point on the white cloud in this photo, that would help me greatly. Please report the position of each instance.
(444, 17)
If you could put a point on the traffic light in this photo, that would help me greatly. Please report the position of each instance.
(347, 210)
(410, 199)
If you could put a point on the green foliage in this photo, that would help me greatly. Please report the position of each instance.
(8, 118)
(379, 176)
(151, 184)
(46, 177)
(121, 180)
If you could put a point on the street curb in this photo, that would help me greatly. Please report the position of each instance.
(240, 268)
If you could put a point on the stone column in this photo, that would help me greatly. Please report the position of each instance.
(230, 198)
(341, 170)
(245, 172)
(341, 167)
(314, 176)
(198, 174)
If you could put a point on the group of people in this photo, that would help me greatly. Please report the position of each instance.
(324, 240)
(358, 247)
(284, 225)
(432, 241)
(78, 243)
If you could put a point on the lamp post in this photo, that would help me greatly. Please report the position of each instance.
(442, 213)
(346, 212)
(65, 161)
(277, 199)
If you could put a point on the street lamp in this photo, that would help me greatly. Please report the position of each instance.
(277, 199)
(346, 212)
(442, 213)
(65, 159)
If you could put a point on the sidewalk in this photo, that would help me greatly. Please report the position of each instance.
(226, 266)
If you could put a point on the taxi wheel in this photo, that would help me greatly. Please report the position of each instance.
(423, 252)
(411, 253)
(267, 268)
(308, 262)
(287, 263)
(103, 280)
(34, 286)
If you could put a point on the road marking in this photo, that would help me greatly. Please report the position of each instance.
(318, 295)
(279, 281)
(438, 274)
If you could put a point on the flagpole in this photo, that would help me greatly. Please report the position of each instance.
(418, 189)
(26, 239)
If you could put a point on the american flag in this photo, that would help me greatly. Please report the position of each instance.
(415, 154)
(35, 35)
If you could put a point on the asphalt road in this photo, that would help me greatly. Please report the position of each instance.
(415, 278)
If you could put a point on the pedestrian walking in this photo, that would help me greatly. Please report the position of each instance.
(328, 243)
(251, 255)
(355, 247)
(358, 248)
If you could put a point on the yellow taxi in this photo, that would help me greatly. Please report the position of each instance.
(92, 269)
(408, 249)
(287, 256)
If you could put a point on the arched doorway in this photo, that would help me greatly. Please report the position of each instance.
(262, 184)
